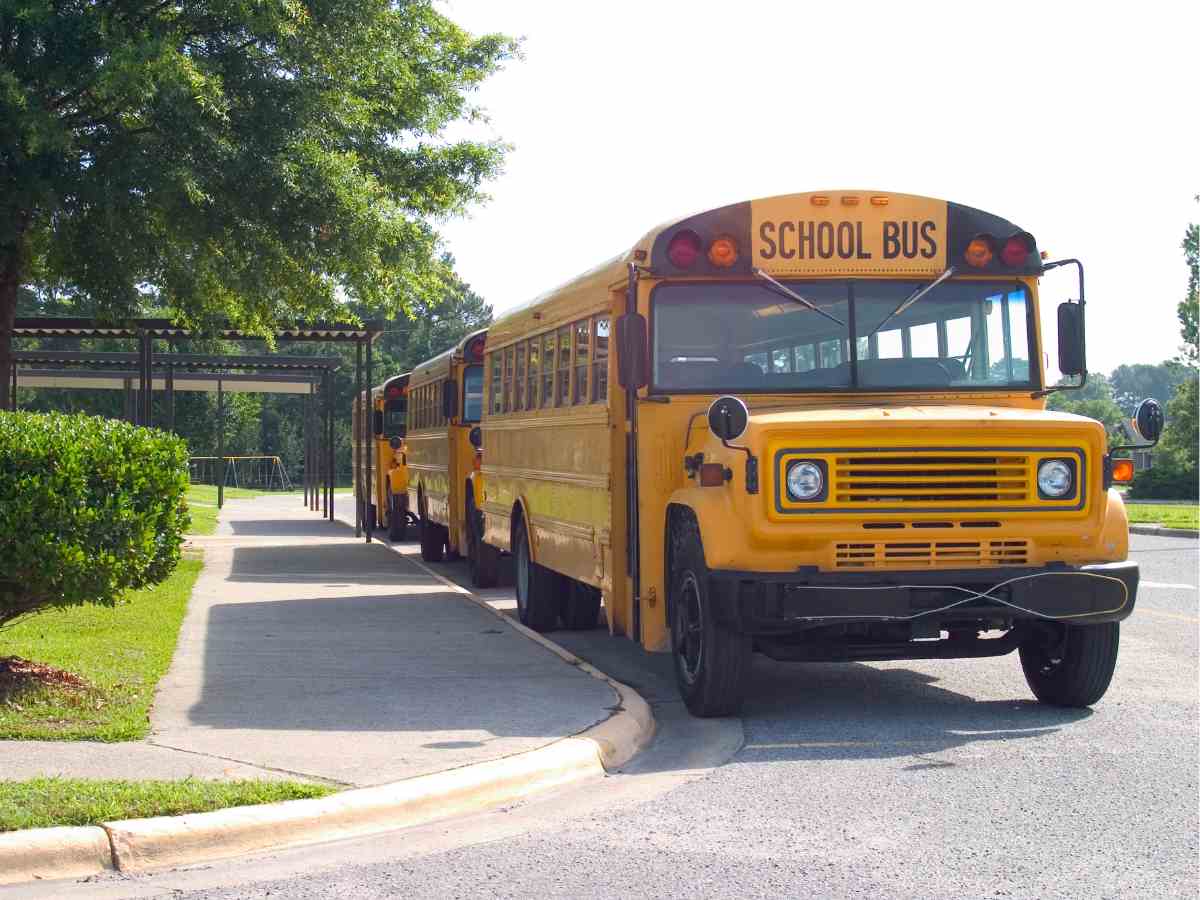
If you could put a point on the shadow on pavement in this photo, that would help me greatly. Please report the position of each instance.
(415, 663)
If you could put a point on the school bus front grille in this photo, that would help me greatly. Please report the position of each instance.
(930, 554)
(947, 479)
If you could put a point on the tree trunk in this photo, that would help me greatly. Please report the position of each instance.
(14, 258)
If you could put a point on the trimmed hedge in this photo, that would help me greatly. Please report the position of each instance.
(1164, 482)
(88, 508)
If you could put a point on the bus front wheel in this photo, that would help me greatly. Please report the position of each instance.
(483, 558)
(711, 662)
(397, 518)
(433, 541)
(1076, 670)
(538, 588)
(581, 607)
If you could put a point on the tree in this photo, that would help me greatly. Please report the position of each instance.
(1095, 401)
(1189, 307)
(222, 160)
(1133, 383)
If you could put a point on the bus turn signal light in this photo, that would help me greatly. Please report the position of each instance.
(979, 252)
(1122, 471)
(723, 252)
(1015, 252)
(684, 249)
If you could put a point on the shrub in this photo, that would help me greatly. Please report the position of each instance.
(88, 508)
(1164, 483)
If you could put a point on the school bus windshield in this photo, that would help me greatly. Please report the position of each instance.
(717, 338)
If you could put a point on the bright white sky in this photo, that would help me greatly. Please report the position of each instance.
(1075, 121)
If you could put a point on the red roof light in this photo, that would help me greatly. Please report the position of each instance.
(1015, 252)
(685, 248)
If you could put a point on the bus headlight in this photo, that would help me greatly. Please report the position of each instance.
(805, 480)
(1056, 477)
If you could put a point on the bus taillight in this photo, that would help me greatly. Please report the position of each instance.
(979, 252)
(685, 248)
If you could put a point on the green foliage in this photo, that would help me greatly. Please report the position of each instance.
(1095, 401)
(92, 507)
(1133, 383)
(1176, 463)
(1189, 307)
(259, 162)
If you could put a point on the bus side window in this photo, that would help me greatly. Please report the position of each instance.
(519, 381)
(531, 395)
(494, 386)
(548, 343)
(600, 361)
(806, 358)
(564, 366)
(508, 377)
(582, 344)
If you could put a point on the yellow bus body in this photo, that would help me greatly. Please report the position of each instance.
(559, 468)
(439, 452)
(388, 403)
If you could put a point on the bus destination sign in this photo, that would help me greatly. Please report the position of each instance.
(906, 235)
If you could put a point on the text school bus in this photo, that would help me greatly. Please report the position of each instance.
(388, 508)
(445, 400)
(831, 444)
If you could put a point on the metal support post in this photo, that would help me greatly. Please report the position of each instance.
(330, 449)
(170, 386)
(356, 435)
(220, 444)
(369, 436)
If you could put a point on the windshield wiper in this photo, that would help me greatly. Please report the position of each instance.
(913, 298)
(792, 295)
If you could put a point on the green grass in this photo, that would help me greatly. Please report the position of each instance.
(45, 802)
(1182, 516)
(121, 651)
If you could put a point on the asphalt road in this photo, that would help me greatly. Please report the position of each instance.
(908, 779)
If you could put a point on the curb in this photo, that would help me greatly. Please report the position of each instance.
(64, 852)
(139, 844)
(1163, 531)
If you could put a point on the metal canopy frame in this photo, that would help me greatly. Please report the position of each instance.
(319, 463)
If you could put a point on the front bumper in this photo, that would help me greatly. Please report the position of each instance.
(782, 602)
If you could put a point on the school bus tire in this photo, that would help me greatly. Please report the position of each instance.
(539, 590)
(1077, 671)
(711, 662)
(581, 606)
(483, 559)
(397, 518)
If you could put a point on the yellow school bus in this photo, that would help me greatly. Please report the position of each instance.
(388, 507)
(445, 400)
(819, 434)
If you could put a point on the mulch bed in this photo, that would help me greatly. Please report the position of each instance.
(18, 675)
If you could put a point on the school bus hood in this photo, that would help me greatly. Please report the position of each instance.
(973, 422)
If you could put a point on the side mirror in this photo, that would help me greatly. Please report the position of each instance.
(632, 366)
(476, 437)
(449, 399)
(728, 418)
(377, 422)
(395, 443)
(1071, 347)
(1148, 420)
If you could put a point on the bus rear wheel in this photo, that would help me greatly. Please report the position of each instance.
(397, 517)
(1075, 671)
(482, 558)
(711, 661)
(538, 588)
(581, 607)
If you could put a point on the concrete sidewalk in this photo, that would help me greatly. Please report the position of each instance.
(308, 654)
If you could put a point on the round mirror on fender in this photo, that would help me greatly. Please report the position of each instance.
(728, 417)
(475, 437)
(1148, 420)
(395, 443)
